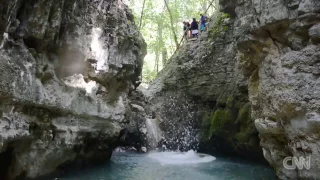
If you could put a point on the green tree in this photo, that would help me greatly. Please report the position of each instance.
(160, 23)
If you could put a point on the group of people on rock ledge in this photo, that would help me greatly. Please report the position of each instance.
(192, 30)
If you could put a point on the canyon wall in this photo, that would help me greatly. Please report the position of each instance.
(201, 96)
(66, 68)
(278, 45)
(254, 73)
(248, 86)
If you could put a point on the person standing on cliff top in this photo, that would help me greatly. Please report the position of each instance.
(185, 30)
(189, 28)
(203, 21)
(194, 28)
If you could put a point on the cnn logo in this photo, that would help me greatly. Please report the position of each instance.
(292, 163)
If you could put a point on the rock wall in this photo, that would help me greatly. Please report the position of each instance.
(66, 68)
(201, 96)
(279, 46)
(255, 71)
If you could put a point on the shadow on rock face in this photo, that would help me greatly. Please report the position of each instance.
(6, 158)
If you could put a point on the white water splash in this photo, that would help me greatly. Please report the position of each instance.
(153, 132)
(181, 158)
(100, 52)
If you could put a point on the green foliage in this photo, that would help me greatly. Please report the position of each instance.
(156, 27)
(219, 26)
(148, 74)
(226, 15)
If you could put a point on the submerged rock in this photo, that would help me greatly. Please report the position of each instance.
(66, 70)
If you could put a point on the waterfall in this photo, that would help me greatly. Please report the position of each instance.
(153, 132)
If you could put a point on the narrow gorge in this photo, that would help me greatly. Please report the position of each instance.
(247, 87)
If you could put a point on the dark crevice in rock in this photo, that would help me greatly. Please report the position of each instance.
(21, 10)
(6, 159)
(228, 6)
(33, 43)
(274, 40)
(22, 16)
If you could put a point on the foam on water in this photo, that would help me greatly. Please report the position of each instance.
(179, 158)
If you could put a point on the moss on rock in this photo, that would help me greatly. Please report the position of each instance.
(254, 81)
(205, 127)
(216, 120)
(219, 25)
(246, 125)
(219, 121)
(243, 136)
(230, 102)
(244, 115)
(231, 122)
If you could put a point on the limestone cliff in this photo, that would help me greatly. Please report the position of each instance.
(201, 96)
(66, 67)
(278, 44)
(256, 70)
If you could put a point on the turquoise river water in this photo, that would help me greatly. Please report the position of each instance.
(172, 166)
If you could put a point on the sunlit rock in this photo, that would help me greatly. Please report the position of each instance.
(66, 70)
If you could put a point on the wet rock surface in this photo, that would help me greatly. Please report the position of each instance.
(66, 70)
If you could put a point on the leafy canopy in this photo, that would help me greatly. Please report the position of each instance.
(157, 28)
